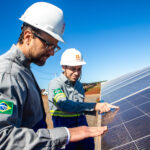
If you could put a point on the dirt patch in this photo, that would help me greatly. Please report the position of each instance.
(91, 119)
(48, 116)
(93, 90)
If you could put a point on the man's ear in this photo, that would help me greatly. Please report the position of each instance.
(27, 36)
(63, 68)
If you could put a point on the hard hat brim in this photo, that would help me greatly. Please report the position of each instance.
(73, 64)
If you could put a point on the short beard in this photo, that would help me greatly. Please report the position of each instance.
(38, 62)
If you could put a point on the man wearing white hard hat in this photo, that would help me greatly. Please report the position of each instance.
(22, 117)
(66, 98)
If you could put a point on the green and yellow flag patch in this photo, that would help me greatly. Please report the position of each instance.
(6, 107)
(57, 91)
(58, 94)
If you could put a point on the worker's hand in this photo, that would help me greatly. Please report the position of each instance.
(104, 107)
(83, 132)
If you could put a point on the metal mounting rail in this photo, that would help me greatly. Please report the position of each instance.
(98, 118)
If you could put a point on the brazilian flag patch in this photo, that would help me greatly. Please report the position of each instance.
(57, 91)
(6, 107)
(58, 94)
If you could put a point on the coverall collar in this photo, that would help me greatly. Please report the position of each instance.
(16, 52)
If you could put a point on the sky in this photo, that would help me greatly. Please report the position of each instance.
(112, 35)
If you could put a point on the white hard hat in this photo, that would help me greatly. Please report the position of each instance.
(72, 57)
(46, 17)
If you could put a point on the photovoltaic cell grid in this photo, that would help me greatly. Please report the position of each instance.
(126, 85)
(128, 127)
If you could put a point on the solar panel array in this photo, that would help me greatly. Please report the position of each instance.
(128, 127)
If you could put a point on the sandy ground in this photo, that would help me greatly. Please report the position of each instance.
(48, 116)
(90, 118)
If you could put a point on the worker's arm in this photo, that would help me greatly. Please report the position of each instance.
(58, 97)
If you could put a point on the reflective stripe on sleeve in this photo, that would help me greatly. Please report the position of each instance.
(58, 96)
(62, 114)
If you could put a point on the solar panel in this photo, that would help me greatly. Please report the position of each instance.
(128, 127)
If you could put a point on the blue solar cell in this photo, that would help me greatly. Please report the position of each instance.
(145, 107)
(144, 143)
(130, 146)
(139, 127)
(131, 114)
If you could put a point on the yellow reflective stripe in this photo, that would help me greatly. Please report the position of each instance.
(60, 95)
(76, 115)
(62, 114)
(57, 95)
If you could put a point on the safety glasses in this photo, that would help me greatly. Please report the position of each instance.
(49, 46)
